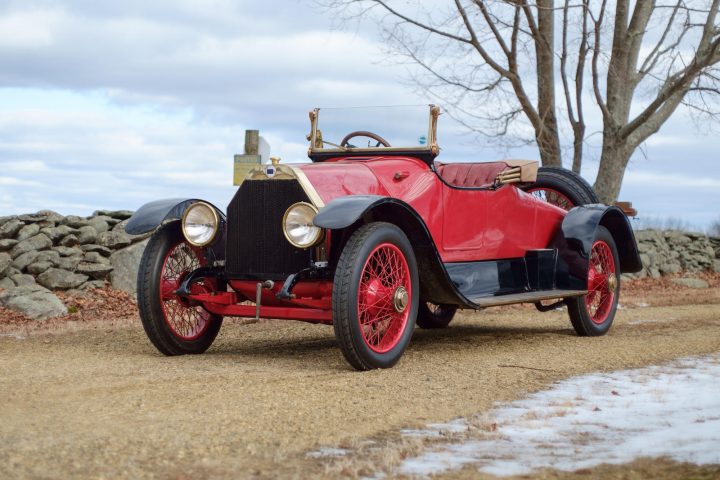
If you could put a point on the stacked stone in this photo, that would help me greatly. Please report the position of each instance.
(668, 251)
(46, 251)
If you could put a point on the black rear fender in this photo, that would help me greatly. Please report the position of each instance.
(575, 238)
(345, 214)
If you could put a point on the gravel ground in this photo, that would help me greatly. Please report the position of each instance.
(97, 400)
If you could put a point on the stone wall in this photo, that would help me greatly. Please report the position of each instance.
(668, 251)
(46, 251)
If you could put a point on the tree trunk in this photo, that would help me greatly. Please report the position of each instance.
(546, 133)
(614, 159)
(549, 144)
(579, 138)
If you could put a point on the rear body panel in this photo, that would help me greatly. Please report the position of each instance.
(465, 224)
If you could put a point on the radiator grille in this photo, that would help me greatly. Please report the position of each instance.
(256, 245)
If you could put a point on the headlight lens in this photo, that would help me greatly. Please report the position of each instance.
(200, 224)
(298, 225)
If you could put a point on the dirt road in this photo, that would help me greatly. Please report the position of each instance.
(101, 402)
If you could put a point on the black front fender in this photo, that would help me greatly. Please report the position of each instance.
(575, 238)
(435, 283)
(153, 214)
(344, 211)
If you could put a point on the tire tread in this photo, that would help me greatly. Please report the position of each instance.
(563, 178)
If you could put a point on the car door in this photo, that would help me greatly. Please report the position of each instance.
(464, 223)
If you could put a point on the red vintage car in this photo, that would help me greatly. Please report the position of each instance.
(375, 236)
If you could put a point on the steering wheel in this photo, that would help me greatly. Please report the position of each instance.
(363, 133)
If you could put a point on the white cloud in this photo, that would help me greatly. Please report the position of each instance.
(28, 30)
(671, 180)
(17, 182)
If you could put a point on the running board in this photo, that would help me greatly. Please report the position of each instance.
(525, 297)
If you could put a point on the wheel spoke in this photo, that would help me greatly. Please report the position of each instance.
(186, 321)
(552, 196)
(385, 272)
(600, 297)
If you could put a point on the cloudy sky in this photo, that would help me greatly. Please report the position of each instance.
(113, 104)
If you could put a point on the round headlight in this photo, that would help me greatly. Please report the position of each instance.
(200, 224)
(298, 225)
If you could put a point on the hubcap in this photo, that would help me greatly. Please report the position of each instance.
(612, 283)
(400, 299)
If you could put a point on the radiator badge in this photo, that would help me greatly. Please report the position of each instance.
(271, 169)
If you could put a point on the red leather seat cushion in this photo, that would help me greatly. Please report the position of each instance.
(471, 174)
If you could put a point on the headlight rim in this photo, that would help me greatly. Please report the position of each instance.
(216, 219)
(320, 235)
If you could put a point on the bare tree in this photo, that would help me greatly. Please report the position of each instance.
(493, 64)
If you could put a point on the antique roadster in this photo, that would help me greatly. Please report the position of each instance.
(375, 236)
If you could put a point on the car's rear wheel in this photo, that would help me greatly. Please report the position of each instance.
(375, 296)
(562, 188)
(173, 325)
(593, 313)
(433, 315)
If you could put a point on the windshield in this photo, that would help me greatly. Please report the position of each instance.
(361, 128)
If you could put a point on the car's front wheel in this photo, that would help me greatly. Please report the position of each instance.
(173, 325)
(593, 313)
(375, 296)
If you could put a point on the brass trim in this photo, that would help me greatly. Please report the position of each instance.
(374, 150)
(320, 236)
(315, 142)
(432, 129)
(307, 185)
(217, 224)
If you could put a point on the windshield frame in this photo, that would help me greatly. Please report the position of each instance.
(318, 151)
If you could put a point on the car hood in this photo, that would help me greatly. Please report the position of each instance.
(335, 179)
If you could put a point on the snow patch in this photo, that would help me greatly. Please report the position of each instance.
(12, 335)
(671, 410)
(327, 452)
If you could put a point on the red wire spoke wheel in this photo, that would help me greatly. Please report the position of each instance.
(601, 282)
(553, 197)
(172, 323)
(375, 298)
(187, 322)
(593, 313)
(383, 297)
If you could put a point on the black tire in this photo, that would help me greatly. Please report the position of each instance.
(431, 315)
(585, 321)
(168, 245)
(569, 184)
(359, 275)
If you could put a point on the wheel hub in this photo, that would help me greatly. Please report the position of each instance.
(400, 299)
(612, 282)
